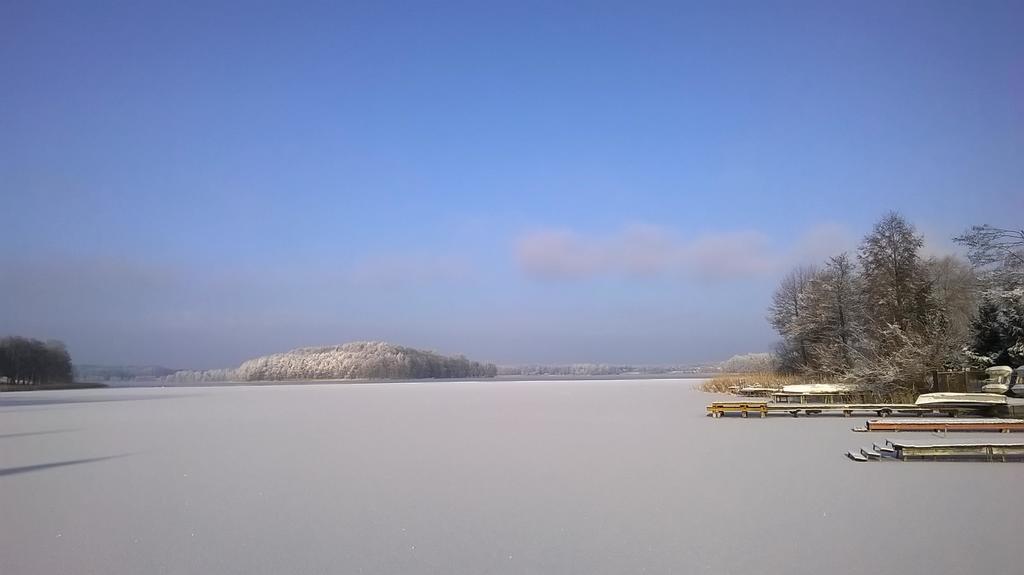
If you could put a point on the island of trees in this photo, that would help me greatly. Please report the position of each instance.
(25, 361)
(358, 360)
(887, 316)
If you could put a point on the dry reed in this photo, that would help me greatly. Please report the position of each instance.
(729, 382)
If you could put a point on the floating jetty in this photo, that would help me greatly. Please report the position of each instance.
(856, 456)
(883, 450)
(944, 425)
(960, 451)
(994, 452)
(764, 408)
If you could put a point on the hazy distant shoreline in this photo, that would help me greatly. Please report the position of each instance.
(498, 379)
(6, 387)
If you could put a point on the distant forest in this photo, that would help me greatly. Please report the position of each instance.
(358, 360)
(585, 369)
(89, 372)
(25, 361)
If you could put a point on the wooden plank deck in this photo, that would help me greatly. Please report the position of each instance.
(764, 408)
(946, 425)
(959, 451)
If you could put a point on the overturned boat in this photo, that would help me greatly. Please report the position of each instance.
(960, 400)
(998, 379)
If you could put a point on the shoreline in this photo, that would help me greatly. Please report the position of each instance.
(12, 387)
(499, 379)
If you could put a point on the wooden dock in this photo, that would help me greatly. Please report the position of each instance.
(959, 451)
(764, 408)
(896, 450)
(945, 425)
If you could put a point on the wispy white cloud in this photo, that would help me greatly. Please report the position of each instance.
(558, 254)
(643, 250)
(731, 255)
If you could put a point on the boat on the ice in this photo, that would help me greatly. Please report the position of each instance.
(856, 456)
(870, 453)
(960, 400)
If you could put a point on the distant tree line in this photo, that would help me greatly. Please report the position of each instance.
(357, 360)
(751, 363)
(25, 361)
(575, 369)
(889, 315)
(593, 369)
(91, 372)
(202, 376)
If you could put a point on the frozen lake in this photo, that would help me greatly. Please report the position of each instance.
(499, 477)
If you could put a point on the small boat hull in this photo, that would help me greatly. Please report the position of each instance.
(856, 456)
(950, 399)
(870, 454)
(883, 450)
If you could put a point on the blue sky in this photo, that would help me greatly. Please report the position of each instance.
(191, 184)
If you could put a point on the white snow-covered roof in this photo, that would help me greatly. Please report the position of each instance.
(819, 388)
(951, 397)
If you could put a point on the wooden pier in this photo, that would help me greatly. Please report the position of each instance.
(994, 452)
(764, 408)
(959, 451)
(945, 425)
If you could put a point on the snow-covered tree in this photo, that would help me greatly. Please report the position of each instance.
(894, 277)
(751, 363)
(30, 361)
(787, 307)
(955, 289)
(885, 322)
(832, 324)
(997, 253)
(360, 360)
(357, 360)
(999, 329)
(998, 257)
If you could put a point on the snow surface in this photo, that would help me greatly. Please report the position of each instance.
(495, 477)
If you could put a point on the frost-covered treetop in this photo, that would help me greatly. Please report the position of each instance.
(356, 360)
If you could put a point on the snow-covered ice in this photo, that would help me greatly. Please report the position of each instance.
(496, 477)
